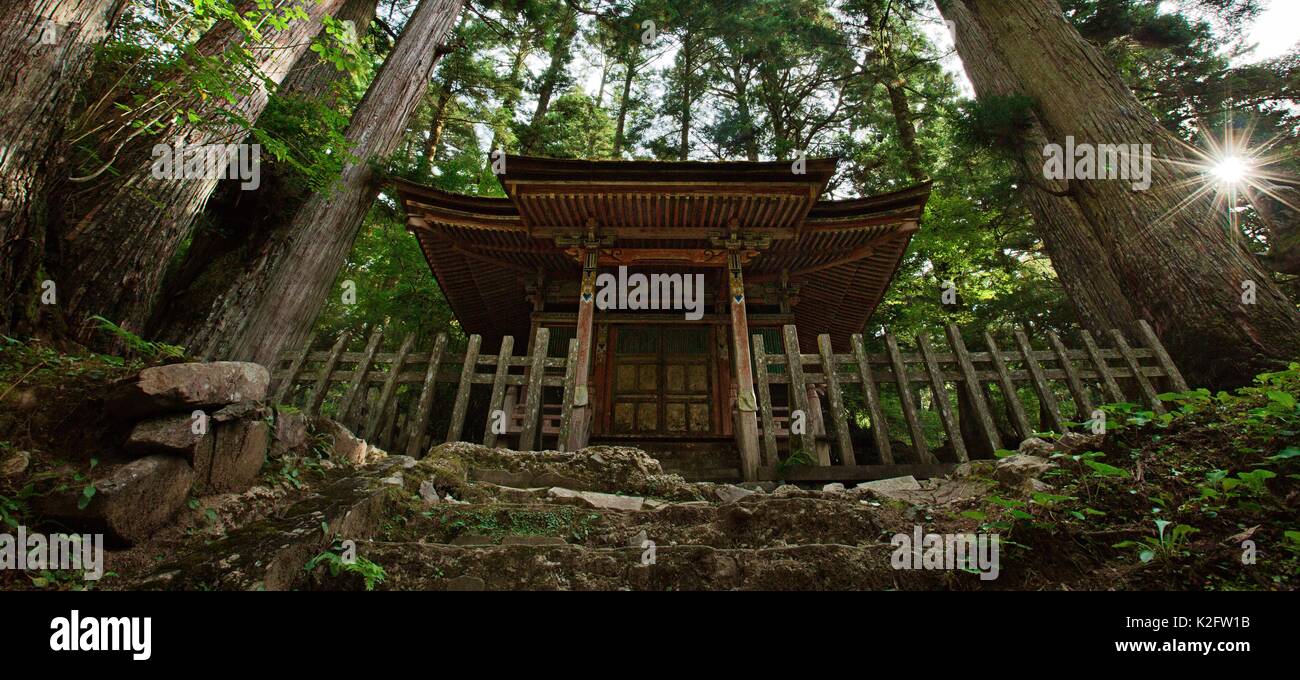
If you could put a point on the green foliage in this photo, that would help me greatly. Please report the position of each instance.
(1163, 545)
(998, 122)
(372, 574)
(137, 345)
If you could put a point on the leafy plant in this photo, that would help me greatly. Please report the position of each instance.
(139, 345)
(370, 572)
(1164, 545)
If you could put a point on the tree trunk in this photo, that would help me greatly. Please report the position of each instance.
(44, 65)
(118, 245)
(244, 221)
(740, 80)
(272, 303)
(620, 133)
(312, 78)
(437, 123)
(1179, 268)
(561, 54)
(684, 148)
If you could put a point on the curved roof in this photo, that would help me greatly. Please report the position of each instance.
(485, 252)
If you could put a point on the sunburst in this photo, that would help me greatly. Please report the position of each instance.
(1226, 168)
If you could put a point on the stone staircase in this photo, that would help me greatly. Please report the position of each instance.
(605, 518)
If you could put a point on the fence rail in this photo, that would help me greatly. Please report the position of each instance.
(394, 398)
(1086, 377)
(374, 404)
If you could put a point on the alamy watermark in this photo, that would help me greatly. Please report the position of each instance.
(967, 552)
(1129, 162)
(209, 161)
(59, 552)
(651, 292)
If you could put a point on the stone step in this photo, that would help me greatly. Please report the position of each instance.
(424, 566)
(757, 521)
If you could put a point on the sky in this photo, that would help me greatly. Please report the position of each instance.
(1277, 30)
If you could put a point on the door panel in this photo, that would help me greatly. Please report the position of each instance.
(662, 381)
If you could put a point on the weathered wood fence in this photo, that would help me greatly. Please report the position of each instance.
(1092, 371)
(389, 398)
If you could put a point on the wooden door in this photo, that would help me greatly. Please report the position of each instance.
(662, 381)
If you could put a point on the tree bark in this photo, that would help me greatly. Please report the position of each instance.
(43, 72)
(272, 303)
(118, 245)
(1179, 268)
(313, 78)
(244, 221)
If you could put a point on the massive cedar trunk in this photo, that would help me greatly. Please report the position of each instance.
(241, 222)
(272, 302)
(43, 65)
(1081, 263)
(313, 78)
(119, 242)
(1181, 269)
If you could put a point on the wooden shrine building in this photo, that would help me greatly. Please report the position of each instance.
(769, 251)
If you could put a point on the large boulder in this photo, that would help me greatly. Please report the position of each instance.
(230, 458)
(227, 451)
(182, 388)
(130, 502)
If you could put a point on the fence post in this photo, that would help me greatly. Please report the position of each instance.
(764, 393)
(974, 390)
(498, 388)
(1107, 378)
(462, 392)
(798, 396)
(282, 390)
(1019, 420)
(323, 381)
(1079, 394)
(1039, 381)
(879, 429)
(1143, 384)
(417, 425)
(919, 445)
(940, 395)
(1166, 362)
(359, 375)
(566, 407)
(377, 416)
(533, 406)
(836, 399)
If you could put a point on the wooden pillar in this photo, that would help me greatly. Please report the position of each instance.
(746, 402)
(582, 415)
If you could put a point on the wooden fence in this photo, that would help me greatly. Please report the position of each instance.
(1089, 376)
(389, 398)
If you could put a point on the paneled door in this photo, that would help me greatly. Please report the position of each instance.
(662, 381)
